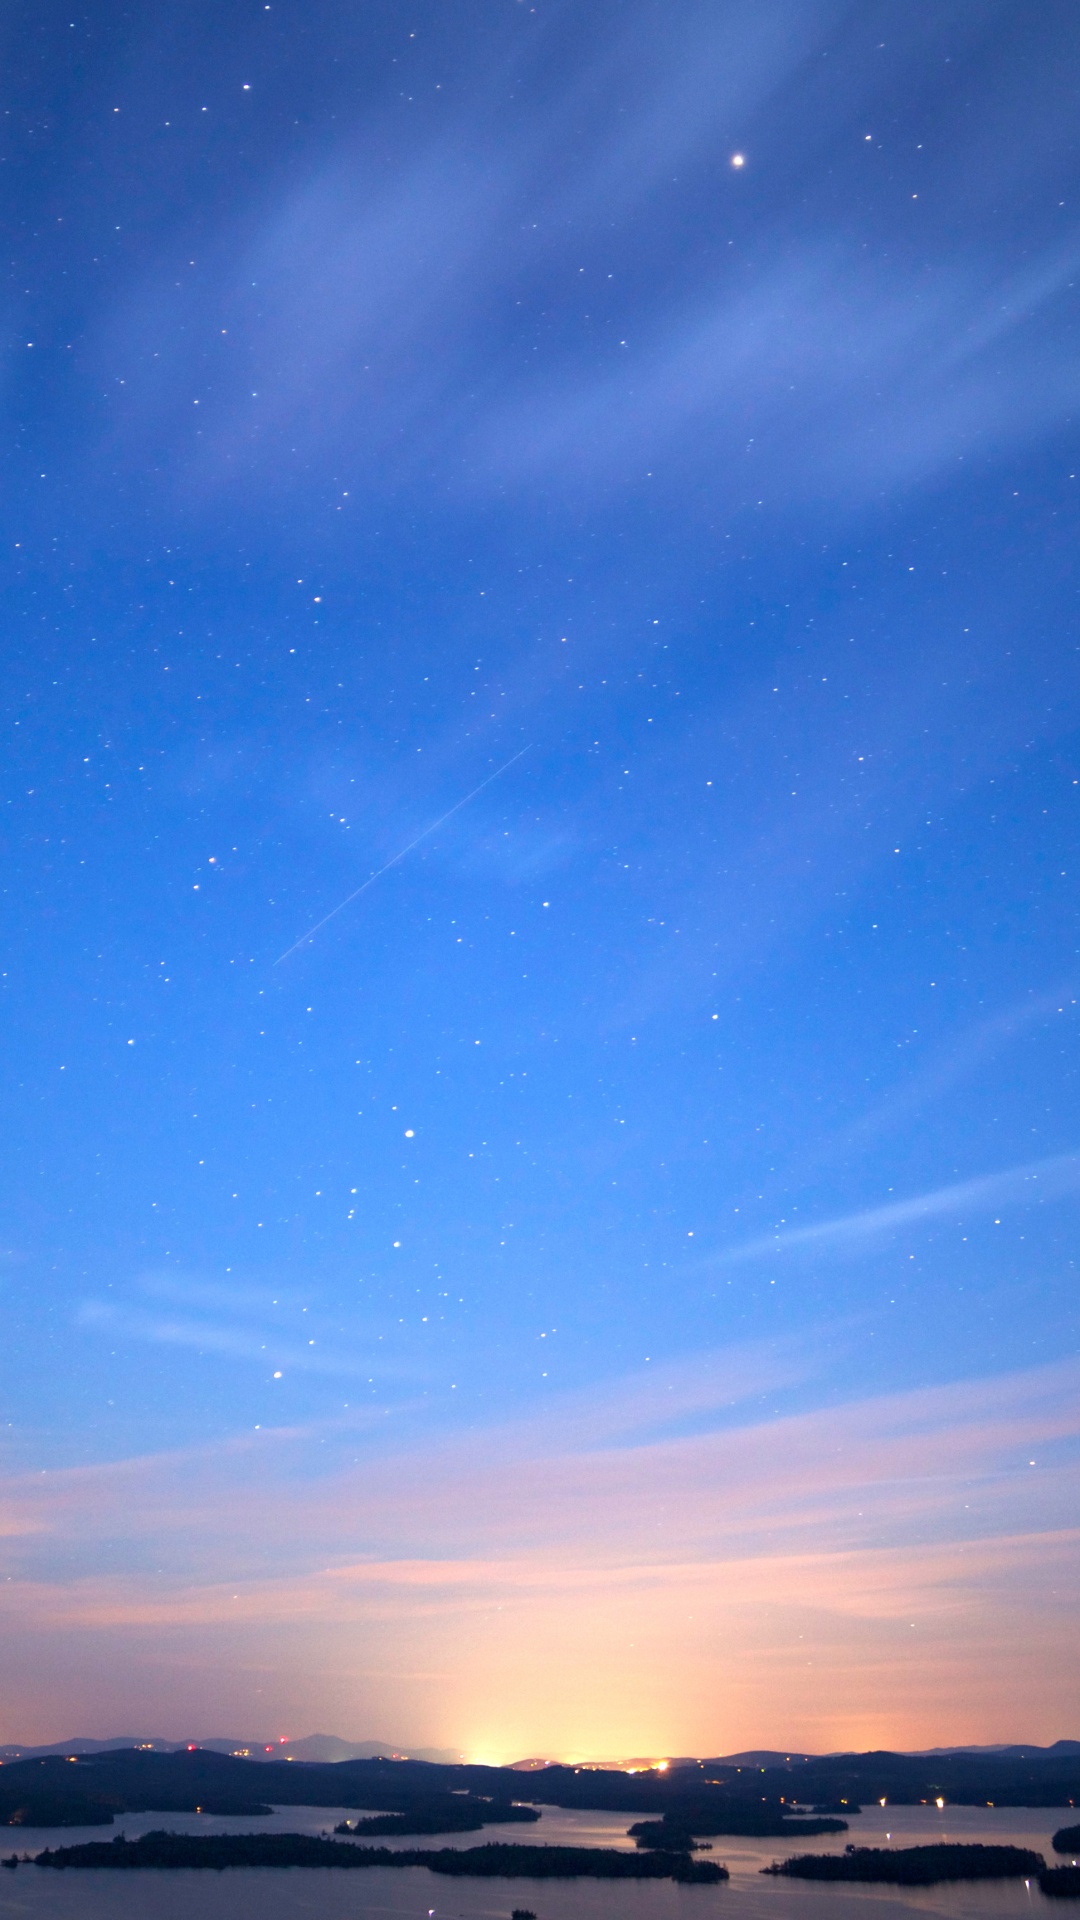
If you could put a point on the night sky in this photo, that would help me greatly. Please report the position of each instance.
(604, 473)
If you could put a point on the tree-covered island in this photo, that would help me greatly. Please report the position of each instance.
(1061, 1883)
(217, 1851)
(448, 1815)
(915, 1866)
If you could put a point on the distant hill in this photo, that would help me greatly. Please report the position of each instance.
(324, 1747)
(329, 1748)
(1061, 1750)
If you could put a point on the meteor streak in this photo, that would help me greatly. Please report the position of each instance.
(398, 857)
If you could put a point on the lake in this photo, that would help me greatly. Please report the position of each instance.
(298, 1893)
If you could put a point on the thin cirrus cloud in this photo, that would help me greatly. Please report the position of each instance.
(435, 288)
(235, 1332)
(882, 1471)
(830, 1572)
(657, 105)
(378, 277)
(1035, 1183)
(968, 1054)
(820, 372)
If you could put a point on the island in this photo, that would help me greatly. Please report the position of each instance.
(56, 1810)
(1061, 1883)
(462, 1816)
(680, 1827)
(217, 1851)
(1066, 1840)
(916, 1866)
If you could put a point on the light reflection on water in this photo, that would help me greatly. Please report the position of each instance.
(301, 1893)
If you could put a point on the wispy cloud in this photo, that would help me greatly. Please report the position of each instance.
(959, 1061)
(367, 1357)
(1033, 1184)
(799, 362)
(809, 371)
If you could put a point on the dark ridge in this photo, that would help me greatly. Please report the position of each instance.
(692, 1794)
(219, 1850)
(1057, 1750)
(915, 1866)
(1044, 1779)
(58, 1790)
(326, 1747)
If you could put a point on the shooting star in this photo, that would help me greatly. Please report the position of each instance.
(397, 859)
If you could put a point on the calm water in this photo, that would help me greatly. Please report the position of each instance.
(413, 1893)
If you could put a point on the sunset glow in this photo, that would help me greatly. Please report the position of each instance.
(539, 966)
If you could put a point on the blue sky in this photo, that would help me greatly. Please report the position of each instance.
(621, 459)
